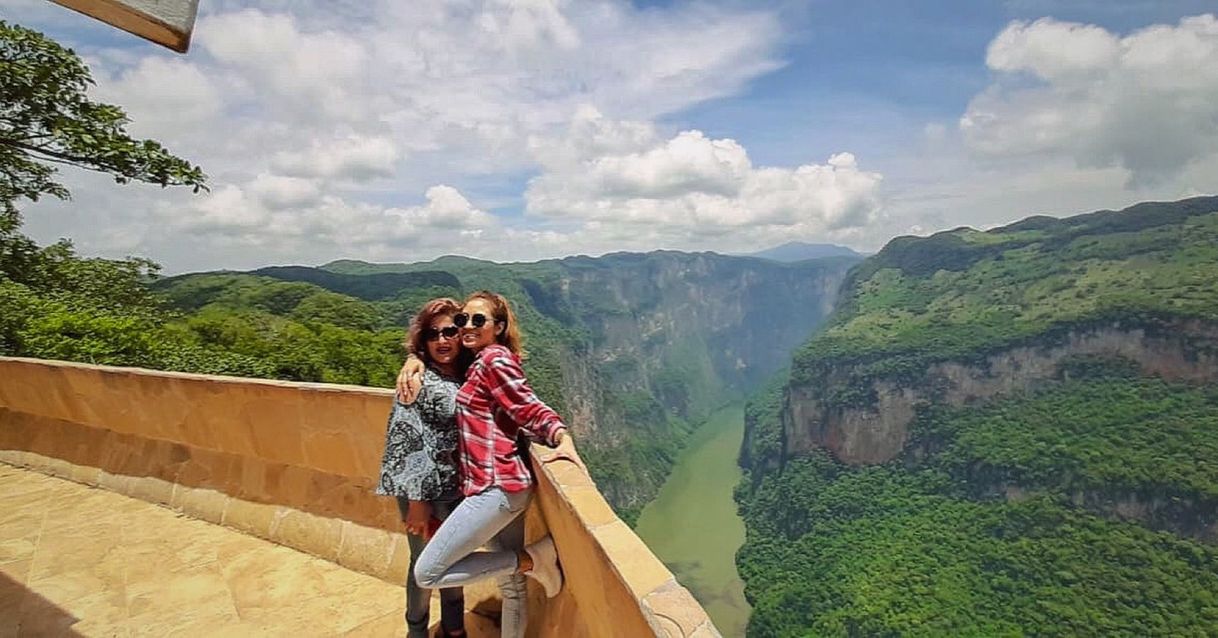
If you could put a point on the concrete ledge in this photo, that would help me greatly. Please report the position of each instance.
(296, 463)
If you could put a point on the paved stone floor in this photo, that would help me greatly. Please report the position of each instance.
(76, 560)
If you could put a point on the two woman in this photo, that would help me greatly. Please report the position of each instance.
(494, 406)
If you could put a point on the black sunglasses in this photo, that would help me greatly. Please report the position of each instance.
(433, 334)
(476, 320)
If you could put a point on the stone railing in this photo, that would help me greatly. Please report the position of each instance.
(296, 463)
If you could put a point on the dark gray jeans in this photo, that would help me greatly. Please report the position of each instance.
(418, 599)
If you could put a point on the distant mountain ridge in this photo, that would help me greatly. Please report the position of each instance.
(800, 251)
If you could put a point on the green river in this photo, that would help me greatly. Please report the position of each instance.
(692, 524)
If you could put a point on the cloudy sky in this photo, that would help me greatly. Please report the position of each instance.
(529, 129)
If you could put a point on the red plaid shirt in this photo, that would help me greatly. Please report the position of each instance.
(493, 405)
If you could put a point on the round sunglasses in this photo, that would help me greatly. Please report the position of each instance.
(477, 320)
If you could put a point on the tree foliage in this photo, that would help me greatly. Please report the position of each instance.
(47, 119)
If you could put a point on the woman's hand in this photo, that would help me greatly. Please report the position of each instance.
(410, 380)
(564, 450)
(417, 517)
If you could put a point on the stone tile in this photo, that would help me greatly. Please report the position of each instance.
(152, 490)
(330, 452)
(632, 559)
(264, 581)
(103, 608)
(365, 549)
(589, 505)
(200, 592)
(118, 483)
(399, 564)
(201, 503)
(26, 498)
(19, 548)
(85, 474)
(566, 474)
(706, 630)
(674, 603)
(42, 617)
(317, 535)
(96, 548)
(16, 571)
(364, 599)
(391, 624)
(186, 622)
(12, 597)
(67, 586)
(179, 553)
(251, 518)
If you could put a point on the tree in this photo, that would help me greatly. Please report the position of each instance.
(46, 119)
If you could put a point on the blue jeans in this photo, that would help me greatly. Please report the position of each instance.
(418, 599)
(494, 518)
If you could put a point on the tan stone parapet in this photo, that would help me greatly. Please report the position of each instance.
(296, 463)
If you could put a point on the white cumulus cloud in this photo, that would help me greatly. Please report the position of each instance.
(1146, 102)
(690, 185)
(355, 158)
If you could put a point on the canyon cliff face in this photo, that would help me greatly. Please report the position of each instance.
(692, 329)
(1026, 417)
(879, 432)
(671, 335)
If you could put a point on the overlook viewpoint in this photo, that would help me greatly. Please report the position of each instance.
(762, 319)
(170, 485)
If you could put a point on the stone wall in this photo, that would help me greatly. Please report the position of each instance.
(296, 463)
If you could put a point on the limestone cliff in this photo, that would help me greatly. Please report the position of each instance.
(876, 432)
(671, 335)
(962, 319)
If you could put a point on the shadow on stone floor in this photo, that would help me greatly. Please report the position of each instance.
(25, 613)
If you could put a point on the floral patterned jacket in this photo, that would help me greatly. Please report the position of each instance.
(420, 461)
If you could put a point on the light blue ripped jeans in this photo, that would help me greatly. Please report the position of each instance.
(494, 518)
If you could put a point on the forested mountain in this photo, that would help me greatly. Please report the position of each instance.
(1011, 432)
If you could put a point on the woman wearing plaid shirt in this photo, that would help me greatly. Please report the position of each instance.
(494, 406)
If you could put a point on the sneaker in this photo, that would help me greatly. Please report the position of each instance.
(545, 566)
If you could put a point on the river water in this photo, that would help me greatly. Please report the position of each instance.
(692, 524)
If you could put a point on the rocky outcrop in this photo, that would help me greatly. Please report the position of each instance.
(877, 431)
(1182, 515)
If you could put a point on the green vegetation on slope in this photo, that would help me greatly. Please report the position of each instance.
(964, 293)
(914, 548)
(1004, 517)
(1113, 434)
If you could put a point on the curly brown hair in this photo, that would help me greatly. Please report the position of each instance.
(416, 344)
(501, 310)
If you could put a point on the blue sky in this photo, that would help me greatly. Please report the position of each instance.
(867, 75)
(519, 131)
